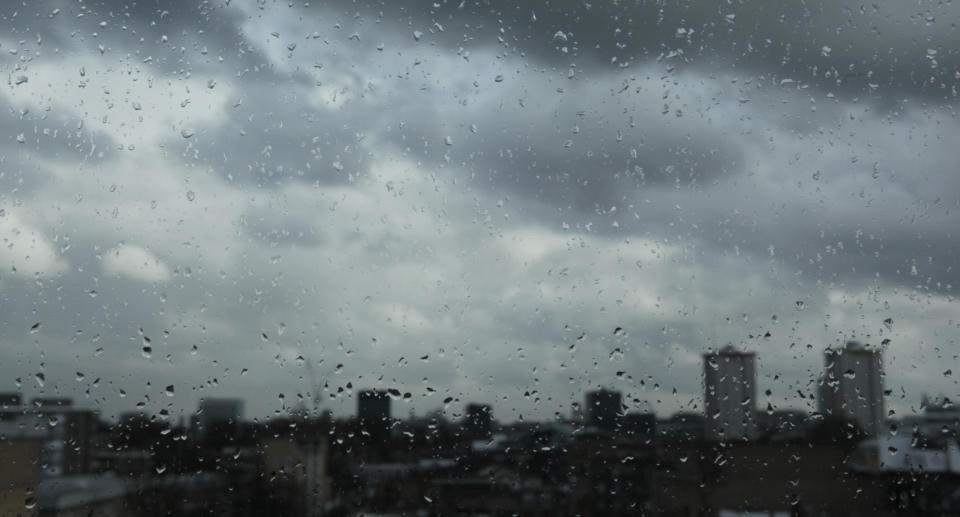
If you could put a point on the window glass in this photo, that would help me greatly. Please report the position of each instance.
(478, 257)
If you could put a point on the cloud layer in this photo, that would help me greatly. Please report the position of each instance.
(467, 200)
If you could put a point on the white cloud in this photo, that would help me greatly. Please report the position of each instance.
(25, 248)
(135, 262)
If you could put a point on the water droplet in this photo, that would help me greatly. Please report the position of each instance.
(21, 138)
(146, 351)
(948, 373)
(191, 195)
(498, 79)
(187, 133)
(888, 323)
(35, 328)
(617, 331)
(41, 378)
(448, 140)
(417, 35)
(893, 450)
(168, 391)
(850, 374)
(31, 502)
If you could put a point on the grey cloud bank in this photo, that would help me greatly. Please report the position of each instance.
(448, 214)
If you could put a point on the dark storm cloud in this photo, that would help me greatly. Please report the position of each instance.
(272, 137)
(33, 142)
(584, 148)
(172, 37)
(888, 48)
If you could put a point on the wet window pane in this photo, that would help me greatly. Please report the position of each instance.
(478, 258)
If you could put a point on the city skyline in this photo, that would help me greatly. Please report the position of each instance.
(850, 388)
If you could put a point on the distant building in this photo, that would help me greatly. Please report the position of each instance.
(373, 406)
(374, 423)
(72, 437)
(51, 402)
(68, 433)
(297, 471)
(852, 387)
(640, 426)
(730, 393)
(685, 426)
(217, 412)
(478, 420)
(940, 418)
(782, 424)
(10, 406)
(21, 473)
(603, 409)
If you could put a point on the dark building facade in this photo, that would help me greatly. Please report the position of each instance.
(373, 406)
(603, 409)
(478, 420)
(730, 394)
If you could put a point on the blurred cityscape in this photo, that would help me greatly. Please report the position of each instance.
(850, 457)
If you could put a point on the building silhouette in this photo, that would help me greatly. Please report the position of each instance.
(603, 409)
(373, 406)
(852, 387)
(217, 414)
(729, 378)
(478, 420)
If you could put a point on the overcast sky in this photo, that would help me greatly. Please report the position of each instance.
(468, 199)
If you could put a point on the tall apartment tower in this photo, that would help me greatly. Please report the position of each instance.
(852, 387)
(373, 406)
(729, 378)
(603, 409)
